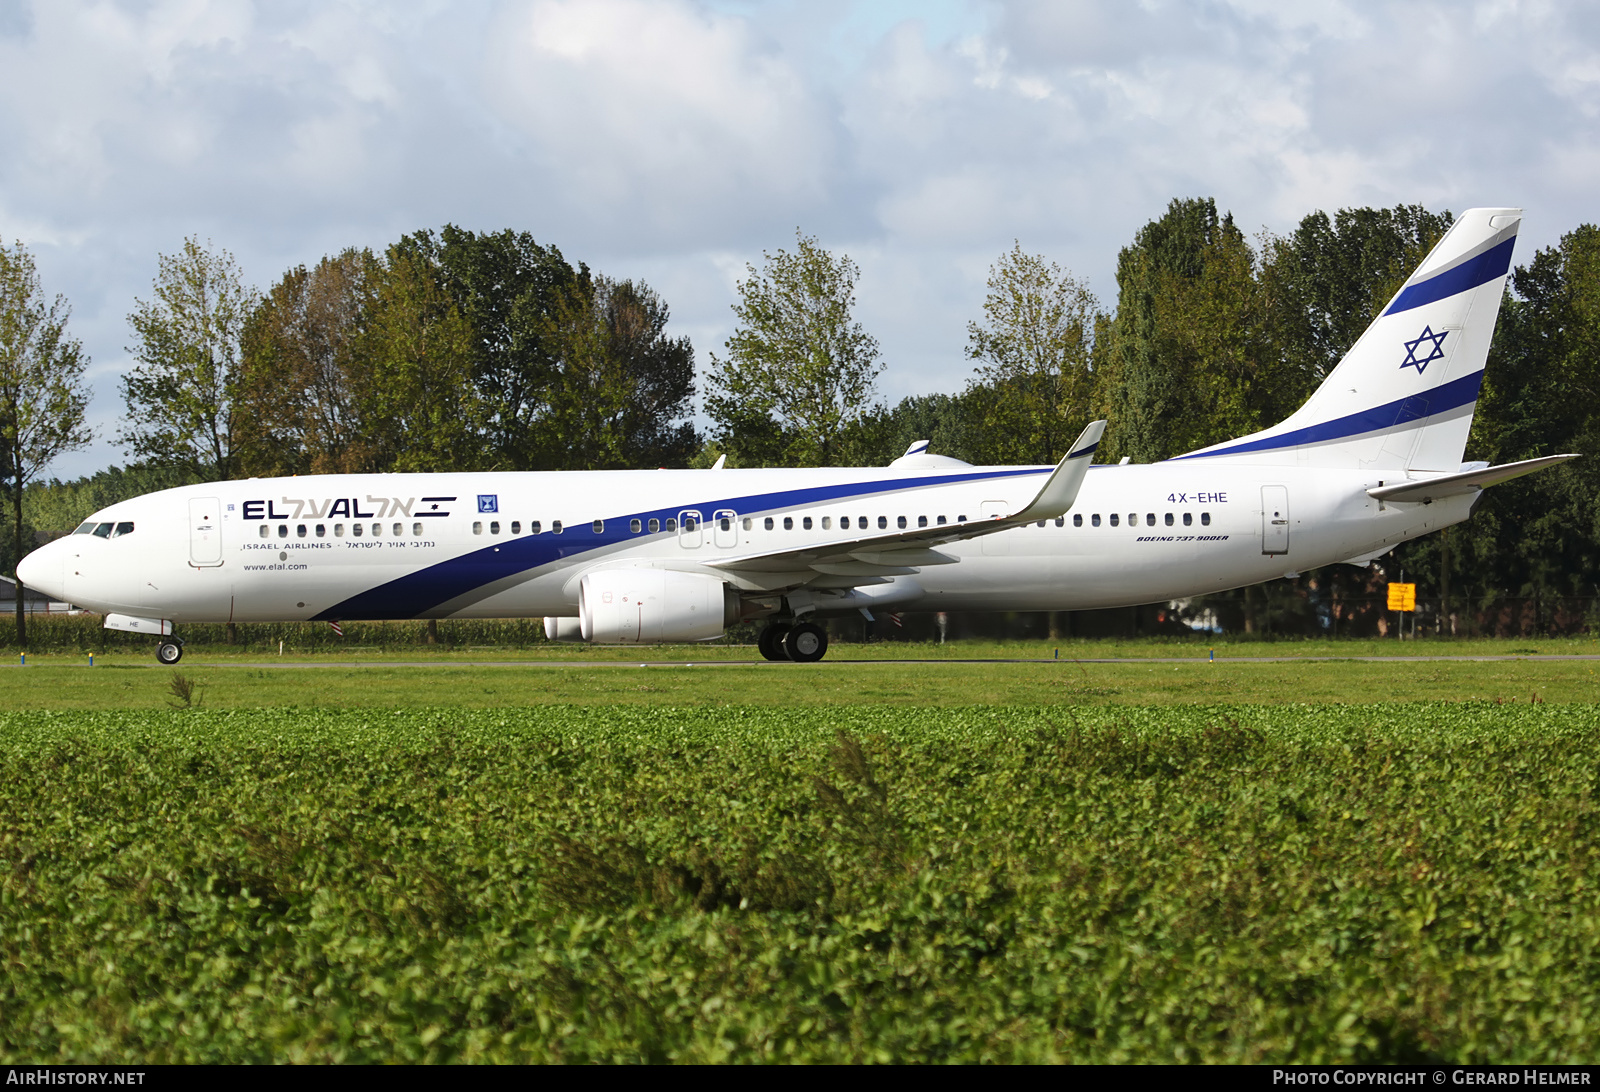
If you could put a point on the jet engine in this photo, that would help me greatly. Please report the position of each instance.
(644, 606)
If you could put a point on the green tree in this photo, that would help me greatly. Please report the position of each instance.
(622, 386)
(42, 396)
(420, 409)
(303, 387)
(1334, 275)
(1035, 349)
(1538, 536)
(800, 371)
(180, 396)
(517, 297)
(1189, 359)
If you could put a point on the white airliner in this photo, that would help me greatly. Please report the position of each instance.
(1372, 459)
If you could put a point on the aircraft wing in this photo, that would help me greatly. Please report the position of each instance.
(1471, 481)
(868, 559)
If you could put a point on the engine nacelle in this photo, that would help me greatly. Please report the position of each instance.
(562, 629)
(644, 606)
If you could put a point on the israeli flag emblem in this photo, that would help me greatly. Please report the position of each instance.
(488, 502)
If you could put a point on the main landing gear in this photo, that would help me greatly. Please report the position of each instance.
(802, 642)
(169, 651)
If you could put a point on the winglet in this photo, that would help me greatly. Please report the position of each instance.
(1061, 488)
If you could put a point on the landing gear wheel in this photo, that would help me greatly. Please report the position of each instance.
(771, 642)
(806, 643)
(169, 652)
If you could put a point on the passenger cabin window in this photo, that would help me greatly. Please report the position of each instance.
(1095, 519)
(805, 523)
(1169, 519)
(633, 525)
(1115, 520)
(516, 527)
(355, 530)
(844, 523)
(941, 521)
(748, 523)
(901, 523)
(599, 526)
(1149, 519)
(265, 531)
(494, 527)
(533, 527)
(1077, 519)
(283, 530)
(788, 523)
(322, 530)
(555, 526)
(1205, 519)
(827, 523)
(377, 529)
(416, 528)
(338, 530)
(922, 521)
(300, 531)
(1188, 519)
(725, 523)
(655, 525)
(883, 523)
(1061, 521)
(397, 530)
(767, 523)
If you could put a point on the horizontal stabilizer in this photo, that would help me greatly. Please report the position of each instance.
(1454, 485)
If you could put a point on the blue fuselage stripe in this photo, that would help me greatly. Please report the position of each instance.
(1484, 268)
(1441, 399)
(409, 596)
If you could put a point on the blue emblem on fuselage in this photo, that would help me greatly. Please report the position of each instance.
(488, 502)
(1435, 350)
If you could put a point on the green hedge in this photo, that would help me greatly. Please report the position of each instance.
(86, 633)
(1303, 884)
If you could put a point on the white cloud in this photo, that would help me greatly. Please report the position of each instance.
(670, 117)
(675, 140)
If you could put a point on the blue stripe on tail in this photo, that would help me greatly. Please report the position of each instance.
(1391, 415)
(1471, 273)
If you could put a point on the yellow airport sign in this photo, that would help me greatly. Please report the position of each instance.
(1402, 597)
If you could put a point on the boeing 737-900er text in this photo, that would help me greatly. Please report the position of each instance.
(1372, 459)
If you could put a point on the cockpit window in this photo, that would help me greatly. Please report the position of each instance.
(104, 530)
(122, 529)
(85, 528)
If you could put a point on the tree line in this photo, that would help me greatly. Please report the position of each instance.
(456, 350)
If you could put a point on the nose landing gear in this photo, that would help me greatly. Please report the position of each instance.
(169, 651)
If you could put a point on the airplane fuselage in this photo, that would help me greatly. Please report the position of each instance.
(484, 545)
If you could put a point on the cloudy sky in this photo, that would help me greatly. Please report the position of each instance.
(676, 140)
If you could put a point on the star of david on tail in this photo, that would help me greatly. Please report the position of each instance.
(1435, 349)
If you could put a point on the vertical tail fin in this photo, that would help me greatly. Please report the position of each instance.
(1403, 396)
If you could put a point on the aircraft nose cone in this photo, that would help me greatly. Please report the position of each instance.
(41, 570)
